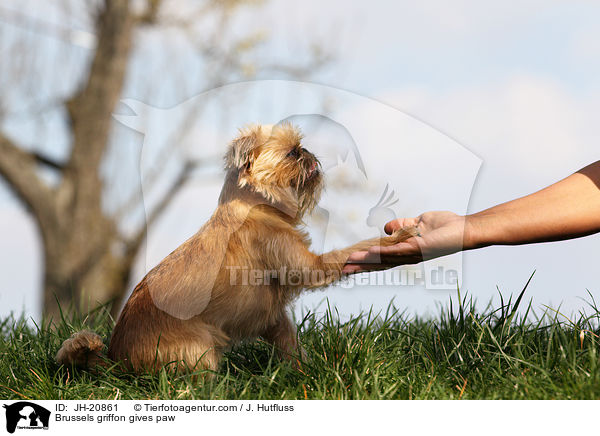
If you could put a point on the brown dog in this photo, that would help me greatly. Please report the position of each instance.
(235, 278)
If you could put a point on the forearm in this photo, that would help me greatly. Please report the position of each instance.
(567, 209)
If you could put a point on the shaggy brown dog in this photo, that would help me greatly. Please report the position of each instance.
(236, 277)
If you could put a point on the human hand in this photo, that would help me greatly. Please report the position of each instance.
(440, 233)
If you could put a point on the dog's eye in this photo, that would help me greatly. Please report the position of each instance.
(294, 153)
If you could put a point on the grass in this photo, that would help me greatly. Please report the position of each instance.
(460, 354)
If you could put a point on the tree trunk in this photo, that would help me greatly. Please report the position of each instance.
(80, 264)
(102, 282)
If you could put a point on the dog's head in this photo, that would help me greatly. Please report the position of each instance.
(271, 161)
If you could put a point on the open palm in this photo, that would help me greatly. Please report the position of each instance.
(440, 233)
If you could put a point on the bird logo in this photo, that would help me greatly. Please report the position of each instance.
(382, 212)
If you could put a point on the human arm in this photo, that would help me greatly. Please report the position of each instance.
(567, 209)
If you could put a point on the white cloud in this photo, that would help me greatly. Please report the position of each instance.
(527, 127)
(585, 44)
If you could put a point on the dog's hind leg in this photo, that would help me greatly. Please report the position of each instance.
(283, 335)
(193, 348)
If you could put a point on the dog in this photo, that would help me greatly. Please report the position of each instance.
(235, 278)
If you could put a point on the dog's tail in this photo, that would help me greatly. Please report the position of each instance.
(83, 349)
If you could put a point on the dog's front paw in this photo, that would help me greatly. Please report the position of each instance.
(400, 235)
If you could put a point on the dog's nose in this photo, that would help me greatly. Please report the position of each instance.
(313, 168)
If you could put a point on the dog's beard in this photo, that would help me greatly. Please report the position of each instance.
(308, 184)
(309, 193)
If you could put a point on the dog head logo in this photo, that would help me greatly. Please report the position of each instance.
(26, 415)
(395, 148)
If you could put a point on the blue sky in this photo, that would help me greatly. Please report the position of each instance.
(515, 83)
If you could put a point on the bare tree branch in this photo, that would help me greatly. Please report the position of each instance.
(45, 160)
(134, 243)
(18, 168)
(302, 70)
(149, 16)
(177, 184)
(175, 139)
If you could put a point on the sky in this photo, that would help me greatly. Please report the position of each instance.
(487, 101)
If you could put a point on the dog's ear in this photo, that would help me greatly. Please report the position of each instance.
(243, 148)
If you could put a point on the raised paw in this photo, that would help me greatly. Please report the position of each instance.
(400, 235)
